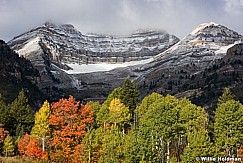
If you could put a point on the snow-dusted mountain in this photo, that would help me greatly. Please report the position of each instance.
(58, 51)
(206, 43)
(72, 62)
(199, 50)
(64, 45)
(173, 70)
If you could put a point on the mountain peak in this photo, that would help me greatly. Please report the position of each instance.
(58, 26)
(67, 29)
(202, 26)
(212, 33)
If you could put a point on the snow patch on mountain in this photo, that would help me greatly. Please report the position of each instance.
(223, 49)
(30, 47)
(98, 67)
(202, 26)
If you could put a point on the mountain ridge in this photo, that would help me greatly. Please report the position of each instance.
(169, 71)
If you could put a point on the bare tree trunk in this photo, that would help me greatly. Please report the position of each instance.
(162, 149)
(178, 149)
(168, 152)
(89, 157)
(43, 143)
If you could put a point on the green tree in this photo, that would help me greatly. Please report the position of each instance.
(130, 95)
(21, 116)
(226, 96)
(41, 127)
(94, 106)
(158, 128)
(134, 148)
(8, 146)
(3, 111)
(112, 145)
(193, 122)
(198, 145)
(91, 145)
(147, 102)
(228, 127)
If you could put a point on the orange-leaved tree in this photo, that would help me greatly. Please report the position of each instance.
(30, 147)
(23, 143)
(69, 121)
(3, 134)
(35, 151)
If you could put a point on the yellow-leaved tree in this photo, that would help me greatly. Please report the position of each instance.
(41, 127)
(119, 113)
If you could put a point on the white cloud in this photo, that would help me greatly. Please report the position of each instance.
(178, 17)
(234, 6)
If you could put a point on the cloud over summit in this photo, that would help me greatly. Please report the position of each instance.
(119, 17)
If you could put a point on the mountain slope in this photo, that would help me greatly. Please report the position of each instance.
(17, 73)
(179, 70)
(174, 70)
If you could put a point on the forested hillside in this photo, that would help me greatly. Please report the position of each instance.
(123, 129)
(17, 73)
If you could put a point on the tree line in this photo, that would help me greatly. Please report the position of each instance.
(122, 129)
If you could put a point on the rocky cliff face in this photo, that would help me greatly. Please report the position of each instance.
(182, 67)
(65, 44)
(175, 71)
(57, 49)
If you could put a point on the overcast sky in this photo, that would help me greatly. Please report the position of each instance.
(120, 17)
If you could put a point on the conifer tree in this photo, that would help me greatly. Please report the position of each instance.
(8, 146)
(226, 96)
(3, 111)
(130, 95)
(21, 116)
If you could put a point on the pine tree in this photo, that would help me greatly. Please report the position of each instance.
(226, 96)
(41, 127)
(3, 111)
(21, 116)
(130, 95)
(8, 146)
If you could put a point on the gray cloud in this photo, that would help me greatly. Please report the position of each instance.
(120, 17)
